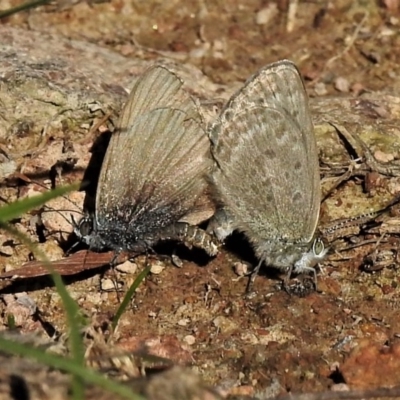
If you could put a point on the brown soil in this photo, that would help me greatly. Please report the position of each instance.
(346, 335)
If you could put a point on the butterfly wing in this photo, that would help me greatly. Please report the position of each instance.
(267, 172)
(154, 169)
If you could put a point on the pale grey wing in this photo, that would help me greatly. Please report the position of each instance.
(264, 174)
(160, 172)
(278, 85)
(158, 87)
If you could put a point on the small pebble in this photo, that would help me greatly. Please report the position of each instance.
(107, 284)
(176, 261)
(24, 300)
(340, 387)
(157, 268)
(241, 269)
(183, 321)
(189, 339)
(128, 267)
(320, 89)
(267, 14)
(342, 85)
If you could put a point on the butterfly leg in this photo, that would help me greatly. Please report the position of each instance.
(253, 276)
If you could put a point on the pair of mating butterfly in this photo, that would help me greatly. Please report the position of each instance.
(257, 162)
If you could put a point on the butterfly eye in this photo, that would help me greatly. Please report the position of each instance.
(86, 226)
(318, 247)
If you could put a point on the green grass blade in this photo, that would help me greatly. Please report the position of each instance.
(74, 320)
(75, 323)
(125, 302)
(75, 364)
(19, 207)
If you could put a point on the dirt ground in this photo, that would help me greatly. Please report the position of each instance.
(345, 336)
